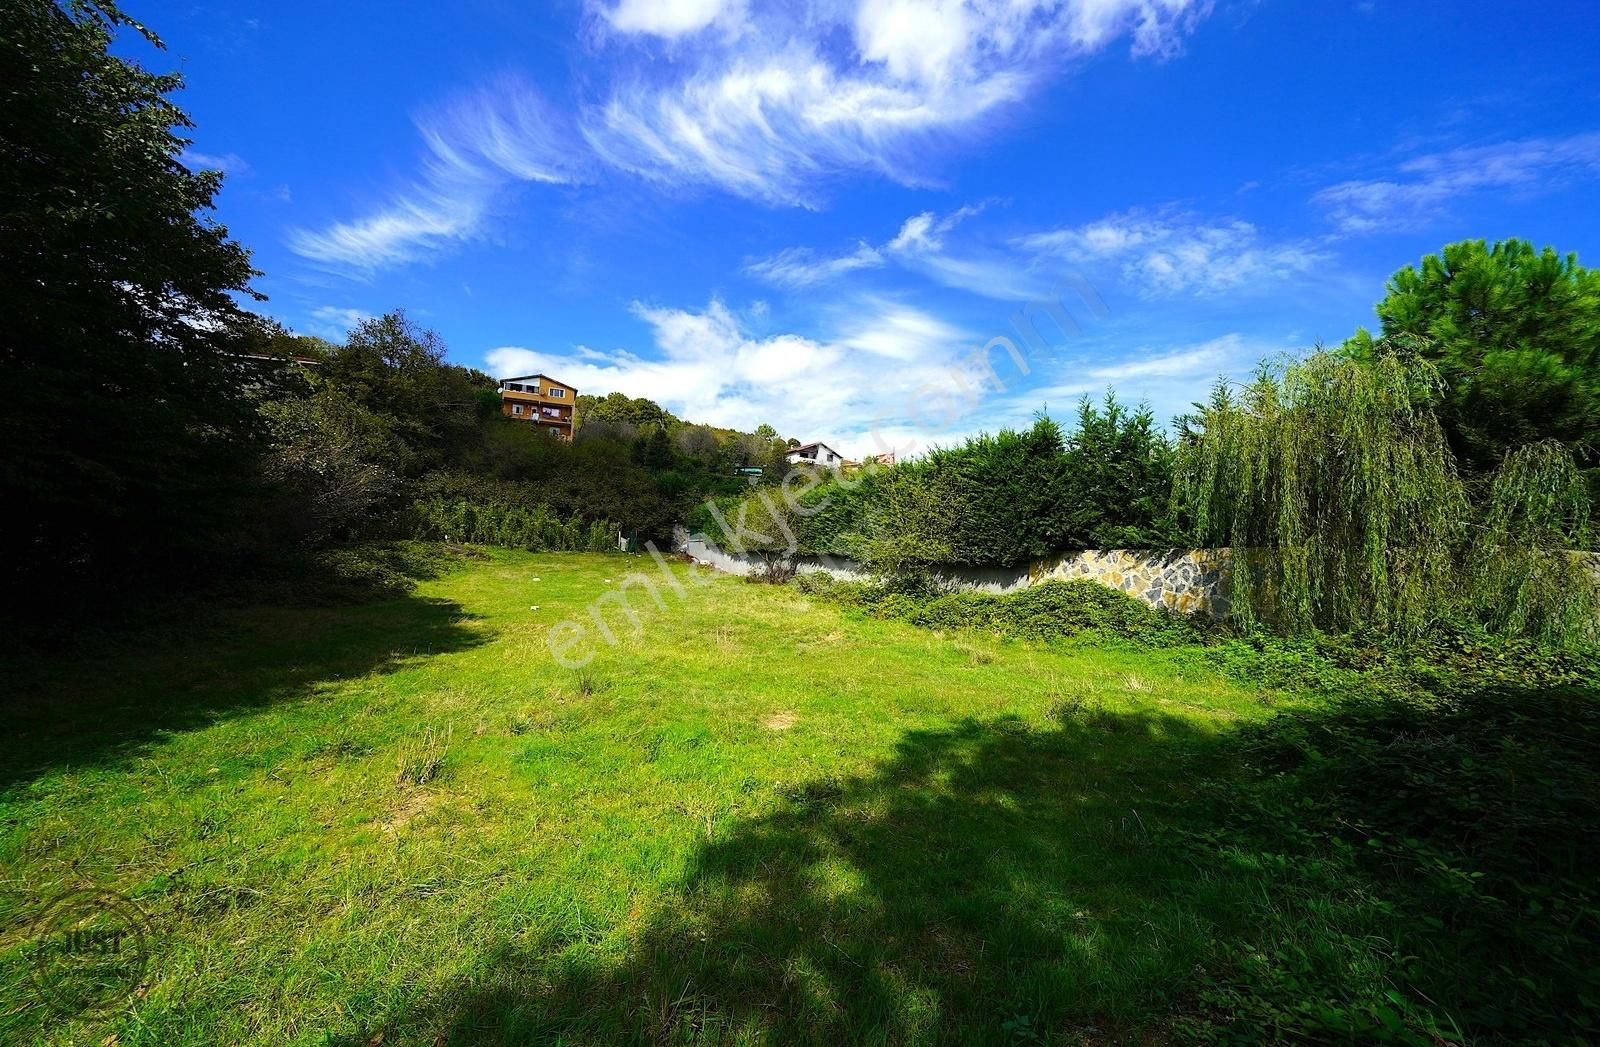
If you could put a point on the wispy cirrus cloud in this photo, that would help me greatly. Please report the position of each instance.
(773, 112)
(1170, 253)
(333, 322)
(796, 267)
(774, 107)
(1159, 254)
(1422, 189)
(920, 247)
(1166, 377)
(477, 147)
(227, 163)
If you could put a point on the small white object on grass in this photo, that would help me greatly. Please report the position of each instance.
(535, 607)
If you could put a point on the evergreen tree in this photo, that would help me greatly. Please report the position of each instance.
(1515, 334)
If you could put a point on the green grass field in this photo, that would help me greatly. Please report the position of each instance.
(759, 819)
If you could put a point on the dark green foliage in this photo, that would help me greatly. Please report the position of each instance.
(397, 371)
(995, 500)
(1470, 818)
(1118, 480)
(1515, 333)
(1330, 481)
(348, 574)
(836, 512)
(126, 432)
(331, 463)
(513, 526)
(1007, 499)
(1526, 578)
(1050, 611)
(621, 412)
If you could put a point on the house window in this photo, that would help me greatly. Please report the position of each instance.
(516, 408)
(557, 393)
(556, 429)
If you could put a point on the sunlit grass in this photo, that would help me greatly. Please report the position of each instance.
(758, 818)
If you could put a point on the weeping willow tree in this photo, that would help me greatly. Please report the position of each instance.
(1330, 481)
(1526, 580)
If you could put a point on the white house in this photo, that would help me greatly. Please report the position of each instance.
(816, 453)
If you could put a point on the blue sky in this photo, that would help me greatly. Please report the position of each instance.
(813, 215)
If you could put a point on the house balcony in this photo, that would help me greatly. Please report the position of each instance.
(518, 396)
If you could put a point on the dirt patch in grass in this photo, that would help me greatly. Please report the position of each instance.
(780, 721)
(413, 804)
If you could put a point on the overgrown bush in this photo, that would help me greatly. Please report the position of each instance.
(511, 526)
(1330, 481)
(1050, 611)
(1523, 575)
(992, 500)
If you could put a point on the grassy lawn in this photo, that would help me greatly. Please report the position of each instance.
(759, 819)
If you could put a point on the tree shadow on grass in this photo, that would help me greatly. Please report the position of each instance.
(1335, 876)
(116, 694)
(991, 881)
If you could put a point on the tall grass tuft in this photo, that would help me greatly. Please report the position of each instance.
(422, 758)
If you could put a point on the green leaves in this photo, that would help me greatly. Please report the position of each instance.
(1515, 333)
(1332, 484)
(128, 428)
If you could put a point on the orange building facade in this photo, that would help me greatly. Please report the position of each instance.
(540, 400)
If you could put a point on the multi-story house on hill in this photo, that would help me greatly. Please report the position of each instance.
(542, 400)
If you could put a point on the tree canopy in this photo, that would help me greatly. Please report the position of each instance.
(1514, 333)
(126, 428)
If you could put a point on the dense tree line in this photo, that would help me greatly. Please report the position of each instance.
(991, 500)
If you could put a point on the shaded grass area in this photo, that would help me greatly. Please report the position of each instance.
(760, 819)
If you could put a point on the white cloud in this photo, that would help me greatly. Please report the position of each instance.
(477, 147)
(1169, 379)
(919, 246)
(1208, 358)
(803, 267)
(334, 322)
(782, 107)
(1170, 254)
(227, 163)
(670, 18)
(881, 368)
(772, 109)
(1422, 188)
(927, 41)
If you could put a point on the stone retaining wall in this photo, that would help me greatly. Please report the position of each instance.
(1189, 581)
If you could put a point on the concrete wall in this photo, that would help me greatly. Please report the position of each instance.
(1191, 581)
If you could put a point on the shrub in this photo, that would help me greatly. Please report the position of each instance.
(1050, 611)
(814, 583)
(1331, 482)
(511, 526)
